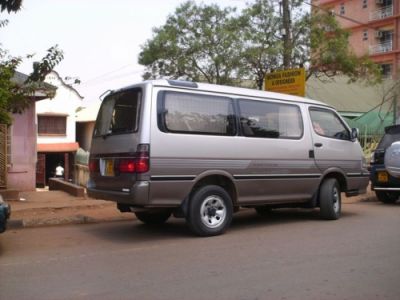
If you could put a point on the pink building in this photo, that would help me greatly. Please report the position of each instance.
(374, 26)
(18, 168)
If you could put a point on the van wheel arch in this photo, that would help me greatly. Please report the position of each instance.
(340, 178)
(220, 180)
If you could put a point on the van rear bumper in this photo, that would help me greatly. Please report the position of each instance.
(138, 195)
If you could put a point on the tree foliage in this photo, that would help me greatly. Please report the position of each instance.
(208, 43)
(16, 97)
(259, 26)
(198, 42)
(331, 54)
(10, 5)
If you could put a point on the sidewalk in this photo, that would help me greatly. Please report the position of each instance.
(47, 208)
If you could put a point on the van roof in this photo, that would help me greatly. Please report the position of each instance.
(237, 91)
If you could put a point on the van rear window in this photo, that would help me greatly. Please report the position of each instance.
(119, 113)
(196, 114)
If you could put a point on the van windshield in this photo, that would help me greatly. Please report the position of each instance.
(119, 113)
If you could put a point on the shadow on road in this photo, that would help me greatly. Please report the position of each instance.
(246, 219)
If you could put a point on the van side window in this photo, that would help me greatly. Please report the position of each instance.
(270, 119)
(196, 114)
(119, 113)
(327, 123)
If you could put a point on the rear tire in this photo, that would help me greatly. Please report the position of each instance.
(387, 197)
(153, 217)
(330, 199)
(210, 211)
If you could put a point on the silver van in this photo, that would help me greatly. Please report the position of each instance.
(203, 151)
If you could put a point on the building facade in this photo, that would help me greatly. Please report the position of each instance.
(56, 131)
(374, 26)
(18, 143)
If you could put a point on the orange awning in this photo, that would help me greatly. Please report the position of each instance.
(58, 147)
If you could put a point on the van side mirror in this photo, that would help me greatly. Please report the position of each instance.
(354, 134)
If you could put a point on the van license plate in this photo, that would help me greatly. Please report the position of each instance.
(383, 176)
(107, 167)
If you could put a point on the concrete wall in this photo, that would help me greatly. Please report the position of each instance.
(84, 131)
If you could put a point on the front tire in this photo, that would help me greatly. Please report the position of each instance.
(387, 197)
(330, 199)
(210, 211)
(153, 217)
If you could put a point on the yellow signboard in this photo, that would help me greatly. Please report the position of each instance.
(291, 81)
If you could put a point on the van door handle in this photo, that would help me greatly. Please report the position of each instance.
(318, 145)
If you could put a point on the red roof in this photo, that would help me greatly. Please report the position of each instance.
(58, 147)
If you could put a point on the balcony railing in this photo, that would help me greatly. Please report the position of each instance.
(382, 13)
(381, 48)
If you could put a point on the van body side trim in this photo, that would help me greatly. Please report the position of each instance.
(275, 176)
(172, 177)
(357, 174)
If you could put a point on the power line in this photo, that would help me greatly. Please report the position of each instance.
(106, 74)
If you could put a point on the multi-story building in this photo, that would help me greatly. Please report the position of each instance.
(374, 26)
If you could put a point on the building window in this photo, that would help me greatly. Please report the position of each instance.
(365, 34)
(386, 70)
(364, 3)
(52, 125)
(342, 11)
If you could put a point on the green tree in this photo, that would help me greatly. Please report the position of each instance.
(14, 98)
(207, 43)
(259, 31)
(10, 5)
(198, 42)
(315, 41)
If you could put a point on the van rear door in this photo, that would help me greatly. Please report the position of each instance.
(116, 155)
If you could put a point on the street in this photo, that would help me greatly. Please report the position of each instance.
(291, 254)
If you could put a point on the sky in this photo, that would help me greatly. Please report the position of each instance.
(101, 39)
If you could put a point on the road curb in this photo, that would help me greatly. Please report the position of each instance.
(77, 219)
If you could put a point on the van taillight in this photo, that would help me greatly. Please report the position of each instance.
(143, 158)
(127, 166)
(139, 164)
(142, 164)
(94, 165)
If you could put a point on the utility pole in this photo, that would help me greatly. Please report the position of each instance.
(286, 33)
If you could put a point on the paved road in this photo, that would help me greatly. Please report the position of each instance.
(289, 255)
